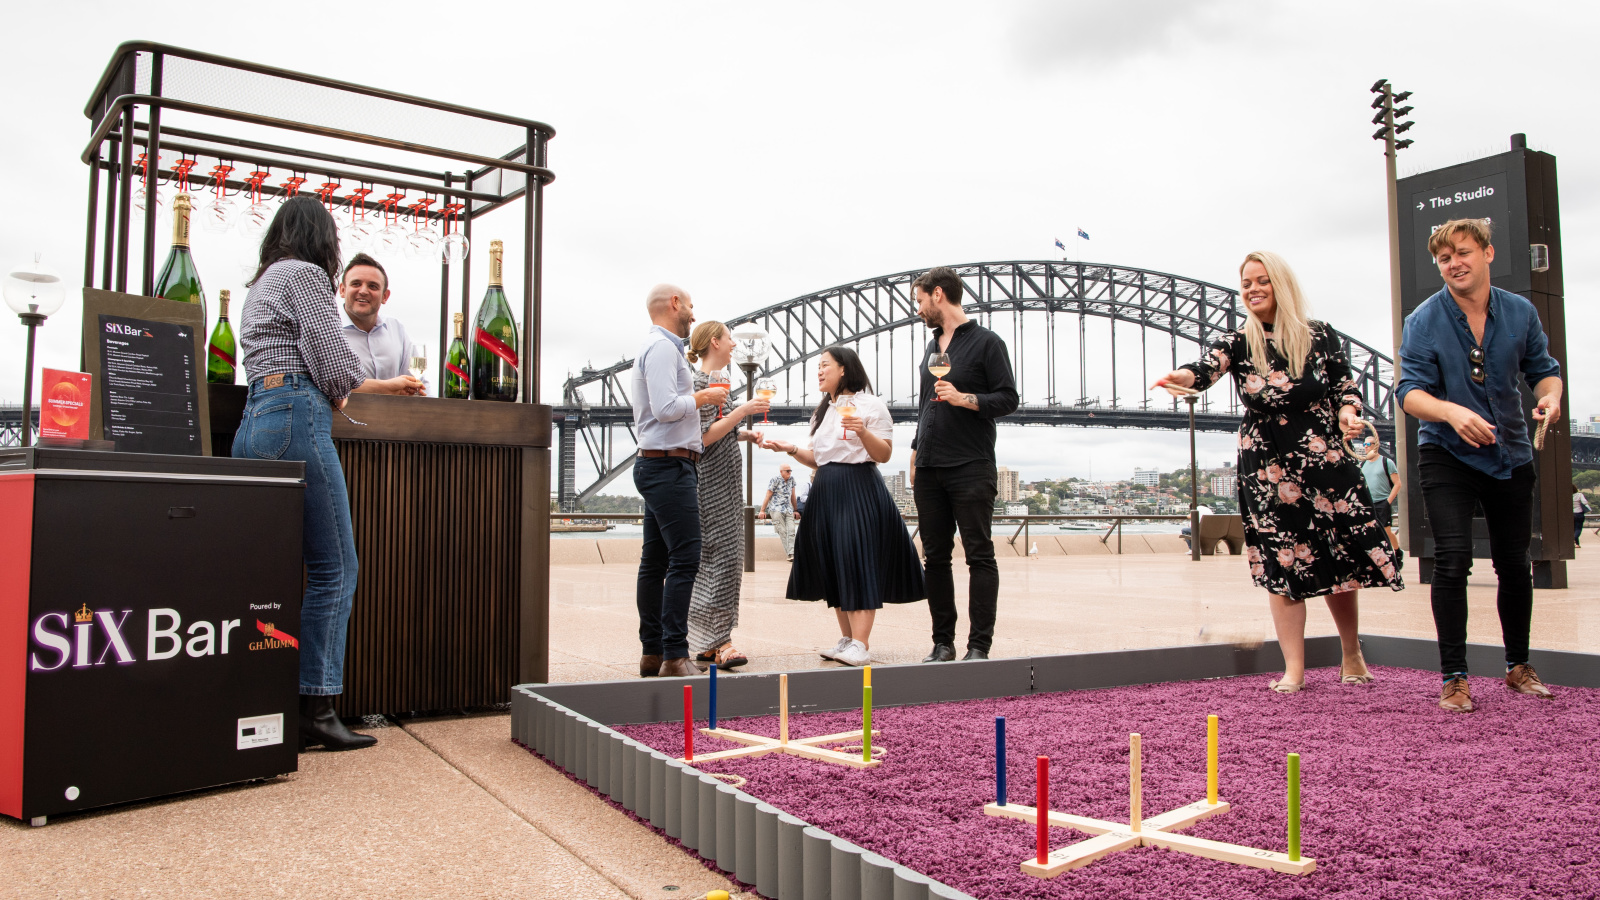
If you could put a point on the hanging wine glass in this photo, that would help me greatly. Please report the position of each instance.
(325, 192)
(256, 216)
(390, 241)
(359, 230)
(217, 215)
(455, 244)
(140, 201)
(423, 241)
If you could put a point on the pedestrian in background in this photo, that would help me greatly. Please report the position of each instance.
(668, 428)
(779, 505)
(714, 605)
(953, 475)
(1580, 507)
(1383, 484)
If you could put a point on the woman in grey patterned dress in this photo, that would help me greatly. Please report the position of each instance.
(714, 607)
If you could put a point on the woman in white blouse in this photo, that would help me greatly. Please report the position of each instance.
(852, 549)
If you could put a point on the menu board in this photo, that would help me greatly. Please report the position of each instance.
(148, 386)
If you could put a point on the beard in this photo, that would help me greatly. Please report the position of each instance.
(933, 318)
(685, 319)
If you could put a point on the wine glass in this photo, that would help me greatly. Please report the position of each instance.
(939, 365)
(455, 247)
(847, 407)
(720, 379)
(766, 389)
(423, 241)
(417, 361)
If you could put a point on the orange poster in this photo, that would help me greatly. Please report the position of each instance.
(64, 405)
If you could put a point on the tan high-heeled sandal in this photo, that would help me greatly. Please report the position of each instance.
(1286, 687)
(1354, 679)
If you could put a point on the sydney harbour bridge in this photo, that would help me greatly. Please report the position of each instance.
(1086, 340)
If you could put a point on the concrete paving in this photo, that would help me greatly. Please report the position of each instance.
(449, 807)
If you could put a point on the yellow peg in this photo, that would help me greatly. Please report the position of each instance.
(1211, 760)
(866, 676)
(783, 709)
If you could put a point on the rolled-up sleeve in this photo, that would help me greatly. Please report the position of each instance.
(667, 404)
(1419, 361)
(1537, 363)
(334, 367)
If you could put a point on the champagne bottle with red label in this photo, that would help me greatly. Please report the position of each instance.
(495, 362)
(220, 364)
(180, 277)
(457, 378)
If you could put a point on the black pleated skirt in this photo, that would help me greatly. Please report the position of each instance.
(853, 549)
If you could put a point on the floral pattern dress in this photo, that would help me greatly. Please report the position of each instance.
(1308, 520)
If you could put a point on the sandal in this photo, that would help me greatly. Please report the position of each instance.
(1354, 679)
(725, 657)
(1286, 687)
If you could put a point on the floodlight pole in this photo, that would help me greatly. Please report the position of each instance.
(1194, 487)
(749, 472)
(1397, 318)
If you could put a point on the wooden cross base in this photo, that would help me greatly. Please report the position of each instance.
(756, 745)
(1111, 837)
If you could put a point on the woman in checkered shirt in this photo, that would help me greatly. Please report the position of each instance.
(300, 370)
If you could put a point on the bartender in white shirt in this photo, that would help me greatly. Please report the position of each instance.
(379, 342)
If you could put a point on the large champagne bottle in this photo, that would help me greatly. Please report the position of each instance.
(180, 278)
(220, 365)
(457, 378)
(494, 339)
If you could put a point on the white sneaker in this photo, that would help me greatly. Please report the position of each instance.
(854, 655)
(837, 649)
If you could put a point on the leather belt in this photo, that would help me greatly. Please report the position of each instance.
(681, 453)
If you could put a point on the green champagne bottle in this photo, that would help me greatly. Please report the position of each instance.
(180, 278)
(494, 339)
(457, 380)
(220, 364)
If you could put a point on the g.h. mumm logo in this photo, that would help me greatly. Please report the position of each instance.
(94, 637)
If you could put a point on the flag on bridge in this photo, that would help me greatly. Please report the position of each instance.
(1061, 245)
(1083, 234)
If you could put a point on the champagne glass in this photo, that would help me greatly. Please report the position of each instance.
(417, 361)
(766, 389)
(939, 365)
(455, 246)
(847, 407)
(720, 379)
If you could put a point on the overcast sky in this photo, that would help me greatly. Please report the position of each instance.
(757, 152)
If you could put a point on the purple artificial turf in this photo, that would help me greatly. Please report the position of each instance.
(1400, 799)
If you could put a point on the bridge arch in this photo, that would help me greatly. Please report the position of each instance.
(1040, 300)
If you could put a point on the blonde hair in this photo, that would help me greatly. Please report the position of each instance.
(1477, 229)
(700, 340)
(1291, 328)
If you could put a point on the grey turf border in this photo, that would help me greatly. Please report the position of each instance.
(789, 859)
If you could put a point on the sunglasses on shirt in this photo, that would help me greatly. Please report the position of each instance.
(1475, 356)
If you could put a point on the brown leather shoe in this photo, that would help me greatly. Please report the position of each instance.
(1456, 697)
(649, 665)
(678, 668)
(1524, 680)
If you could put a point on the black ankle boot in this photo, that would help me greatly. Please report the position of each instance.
(319, 724)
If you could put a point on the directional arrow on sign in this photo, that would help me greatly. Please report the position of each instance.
(1419, 206)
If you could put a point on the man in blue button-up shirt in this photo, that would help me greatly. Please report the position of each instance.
(666, 419)
(1462, 352)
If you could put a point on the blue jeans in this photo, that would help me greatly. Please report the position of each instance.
(294, 421)
(670, 559)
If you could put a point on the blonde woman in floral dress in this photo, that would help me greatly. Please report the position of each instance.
(1308, 519)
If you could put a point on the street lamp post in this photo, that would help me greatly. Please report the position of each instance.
(1389, 132)
(34, 291)
(751, 347)
(1194, 486)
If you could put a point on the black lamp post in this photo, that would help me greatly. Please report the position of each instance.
(34, 292)
(1194, 486)
(751, 347)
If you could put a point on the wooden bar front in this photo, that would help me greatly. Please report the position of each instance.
(450, 502)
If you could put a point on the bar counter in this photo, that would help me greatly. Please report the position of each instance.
(450, 502)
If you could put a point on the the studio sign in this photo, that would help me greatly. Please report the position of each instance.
(96, 637)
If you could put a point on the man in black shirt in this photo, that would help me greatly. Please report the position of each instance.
(953, 473)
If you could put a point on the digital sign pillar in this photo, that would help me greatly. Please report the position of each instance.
(1516, 192)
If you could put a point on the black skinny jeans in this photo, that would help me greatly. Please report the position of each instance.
(1452, 491)
(949, 497)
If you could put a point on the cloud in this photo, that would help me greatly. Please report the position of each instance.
(1050, 33)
